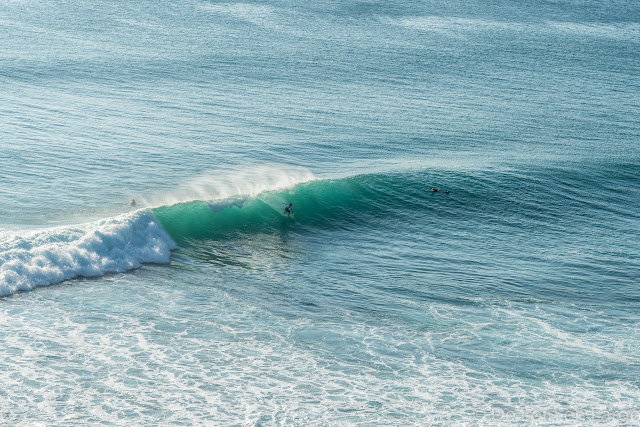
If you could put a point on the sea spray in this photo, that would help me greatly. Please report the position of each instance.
(52, 255)
(233, 182)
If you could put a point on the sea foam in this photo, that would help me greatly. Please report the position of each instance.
(111, 245)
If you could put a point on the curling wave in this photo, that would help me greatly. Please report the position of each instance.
(318, 204)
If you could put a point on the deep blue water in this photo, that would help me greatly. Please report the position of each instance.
(509, 296)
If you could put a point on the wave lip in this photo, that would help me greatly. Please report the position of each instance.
(112, 245)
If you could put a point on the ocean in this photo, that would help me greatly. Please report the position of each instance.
(509, 296)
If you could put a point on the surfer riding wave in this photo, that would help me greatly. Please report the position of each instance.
(287, 208)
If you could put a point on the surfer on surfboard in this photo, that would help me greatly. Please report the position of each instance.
(287, 209)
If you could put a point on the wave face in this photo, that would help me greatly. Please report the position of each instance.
(319, 205)
(108, 246)
(315, 204)
(400, 200)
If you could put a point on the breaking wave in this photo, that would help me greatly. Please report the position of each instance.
(111, 245)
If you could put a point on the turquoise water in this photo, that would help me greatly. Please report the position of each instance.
(508, 297)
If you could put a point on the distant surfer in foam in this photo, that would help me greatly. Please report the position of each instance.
(287, 209)
(133, 202)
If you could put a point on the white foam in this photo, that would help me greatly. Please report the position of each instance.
(112, 245)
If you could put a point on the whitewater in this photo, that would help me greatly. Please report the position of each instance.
(109, 246)
(463, 248)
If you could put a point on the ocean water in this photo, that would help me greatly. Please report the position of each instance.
(509, 297)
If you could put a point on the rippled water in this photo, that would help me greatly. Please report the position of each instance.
(509, 296)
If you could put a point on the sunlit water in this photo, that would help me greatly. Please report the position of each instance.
(509, 296)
